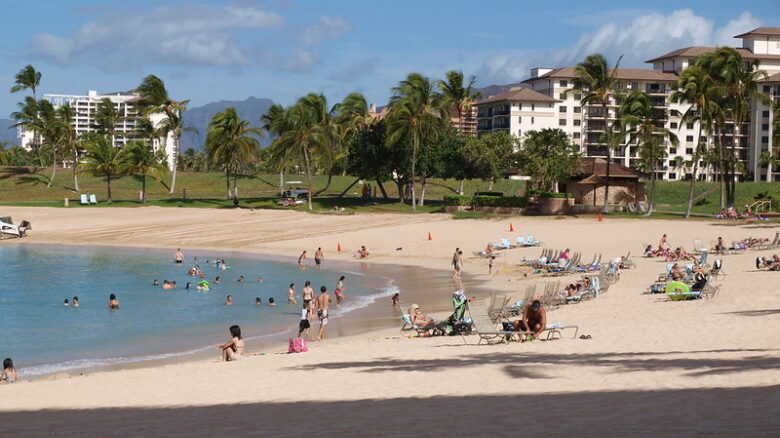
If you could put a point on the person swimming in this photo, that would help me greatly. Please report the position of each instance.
(291, 294)
(240, 279)
(271, 301)
(187, 286)
(217, 280)
(66, 302)
(155, 282)
(258, 301)
(260, 279)
(113, 303)
(229, 300)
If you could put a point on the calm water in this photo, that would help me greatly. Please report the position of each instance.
(44, 337)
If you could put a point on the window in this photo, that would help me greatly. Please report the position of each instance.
(689, 125)
(564, 83)
(767, 88)
(520, 106)
(672, 150)
(688, 138)
(673, 125)
(577, 109)
(765, 126)
(520, 119)
(532, 120)
(577, 96)
(689, 151)
(562, 122)
(519, 132)
(576, 135)
(533, 106)
(562, 96)
(765, 113)
(672, 175)
(764, 140)
(577, 122)
(562, 109)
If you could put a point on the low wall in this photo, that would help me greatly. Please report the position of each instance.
(555, 206)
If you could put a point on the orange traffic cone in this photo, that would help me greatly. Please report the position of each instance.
(429, 236)
(511, 228)
(338, 248)
(601, 218)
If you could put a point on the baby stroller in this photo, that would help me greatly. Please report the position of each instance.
(456, 323)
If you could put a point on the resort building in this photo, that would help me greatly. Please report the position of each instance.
(84, 121)
(548, 102)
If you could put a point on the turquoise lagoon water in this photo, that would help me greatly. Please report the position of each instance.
(44, 337)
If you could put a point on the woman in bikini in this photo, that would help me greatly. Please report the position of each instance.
(234, 348)
(339, 291)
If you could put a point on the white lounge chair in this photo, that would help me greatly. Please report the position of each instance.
(92, 199)
(84, 199)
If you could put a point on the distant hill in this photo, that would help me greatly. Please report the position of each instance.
(492, 90)
(250, 109)
(7, 133)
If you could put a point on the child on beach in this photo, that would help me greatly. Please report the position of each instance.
(9, 372)
(304, 325)
(234, 348)
(396, 299)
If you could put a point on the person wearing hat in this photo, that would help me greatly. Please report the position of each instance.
(418, 318)
(534, 319)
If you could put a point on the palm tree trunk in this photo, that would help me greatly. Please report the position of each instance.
(108, 188)
(721, 167)
(460, 187)
(693, 176)
(609, 154)
(175, 163)
(53, 173)
(341, 195)
(382, 188)
(422, 192)
(415, 144)
(281, 182)
(327, 185)
(401, 189)
(143, 188)
(235, 183)
(227, 182)
(308, 175)
(75, 170)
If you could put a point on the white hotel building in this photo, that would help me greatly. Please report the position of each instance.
(84, 121)
(545, 104)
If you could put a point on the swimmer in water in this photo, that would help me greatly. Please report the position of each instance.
(113, 303)
(155, 282)
(258, 301)
(66, 302)
(229, 300)
(291, 294)
(179, 257)
(217, 280)
(271, 301)
(260, 279)
(339, 292)
(240, 279)
(187, 286)
(75, 301)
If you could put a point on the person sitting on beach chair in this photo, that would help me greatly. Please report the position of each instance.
(420, 319)
(534, 319)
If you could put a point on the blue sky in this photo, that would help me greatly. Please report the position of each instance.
(212, 50)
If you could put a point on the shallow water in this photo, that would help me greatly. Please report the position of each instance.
(44, 337)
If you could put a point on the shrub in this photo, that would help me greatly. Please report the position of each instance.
(499, 201)
(553, 195)
(457, 200)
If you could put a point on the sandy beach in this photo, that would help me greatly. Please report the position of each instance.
(652, 368)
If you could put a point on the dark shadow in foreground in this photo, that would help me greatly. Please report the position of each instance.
(738, 412)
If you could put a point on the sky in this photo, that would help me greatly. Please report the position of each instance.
(213, 50)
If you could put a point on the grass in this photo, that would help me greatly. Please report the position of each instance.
(27, 187)
(673, 195)
(471, 215)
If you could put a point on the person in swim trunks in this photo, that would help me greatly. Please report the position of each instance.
(339, 292)
(318, 257)
(179, 257)
(534, 319)
(322, 304)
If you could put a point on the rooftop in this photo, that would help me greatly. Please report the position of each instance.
(771, 78)
(694, 51)
(597, 167)
(761, 31)
(518, 95)
(638, 74)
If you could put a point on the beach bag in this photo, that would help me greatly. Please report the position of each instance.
(297, 345)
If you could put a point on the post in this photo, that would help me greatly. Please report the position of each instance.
(184, 194)
(66, 201)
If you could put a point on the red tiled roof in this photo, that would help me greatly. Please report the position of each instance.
(761, 31)
(518, 95)
(772, 78)
(592, 166)
(694, 51)
(641, 74)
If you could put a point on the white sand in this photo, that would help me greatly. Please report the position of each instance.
(653, 367)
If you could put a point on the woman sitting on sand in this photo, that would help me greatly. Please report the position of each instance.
(234, 348)
(420, 319)
(9, 372)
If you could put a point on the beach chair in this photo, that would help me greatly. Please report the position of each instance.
(93, 199)
(531, 241)
(557, 328)
(521, 241)
(717, 269)
(421, 331)
(768, 245)
(627, 263)
(699, 247)
(84, 199)
(485, 328)
(507, 244)
(500, 245)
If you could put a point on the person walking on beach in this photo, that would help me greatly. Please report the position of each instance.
(179, 257)
(318, 258)
(301, 258)
(339, 291)
(291, 294)
(663, 242)
(304, 325)
(457, 264)
(322, 304)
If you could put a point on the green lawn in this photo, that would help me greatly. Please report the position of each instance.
(672, 196)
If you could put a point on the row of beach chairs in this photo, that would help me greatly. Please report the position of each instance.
(519, 243)
(88, 199)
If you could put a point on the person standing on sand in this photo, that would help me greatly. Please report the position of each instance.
(490, 265)
(179, 257)
(663, 242)
(318, 258)
(291, 294)
(322, 304)
(339, 292)
(301, 258)
(457, 264)
(304, 325)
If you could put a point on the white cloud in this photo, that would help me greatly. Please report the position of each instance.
(189, 35)
(642, 38)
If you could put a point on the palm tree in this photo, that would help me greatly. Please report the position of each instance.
(141, 159)
(305, 137)
(106, 118)
(232, 142)
(50, 129)
(644, 125)
(103, 160)
(154, 99)
(414, 110)
(697, 88)
(27, 78)
(70, 139)
(598, 84)
(459, 94)
(29, 117)
(146, 129)
(275, 122)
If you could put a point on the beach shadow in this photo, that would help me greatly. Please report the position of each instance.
(617, 362)
(710, 412)
(763, 312)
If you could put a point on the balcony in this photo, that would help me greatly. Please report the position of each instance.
(485, 113)
(501, 112)
(504, 123)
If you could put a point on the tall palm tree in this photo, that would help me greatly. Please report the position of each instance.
(275, 122)
(696, 87)
(304, 137)
(459, 94)
(141, 159)
(231, 142)
(27, 78)
(102, 159)
(70, 139)
(644, 125)
(29, 117)
(154, 99)
(414, 108)
(598, 84)
(106, 118)
(146, 129)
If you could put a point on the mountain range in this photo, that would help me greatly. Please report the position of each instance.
(7, 134)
